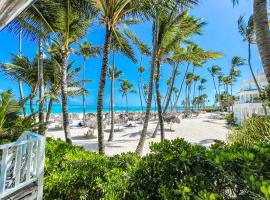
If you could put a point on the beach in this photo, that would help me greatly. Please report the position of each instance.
(203, 130)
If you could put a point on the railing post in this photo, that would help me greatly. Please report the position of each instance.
(40, 167)
(3, 170)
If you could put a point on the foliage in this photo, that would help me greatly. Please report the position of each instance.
(265, 97)
(253, 129)
(174, 170)
(11, 124)
(74, 173)
(226, 100)
(212, 109)
(230, 119)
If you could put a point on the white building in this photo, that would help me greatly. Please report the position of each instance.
(248, 102)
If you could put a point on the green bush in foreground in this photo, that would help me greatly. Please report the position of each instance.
(253, 129)
(174, 170)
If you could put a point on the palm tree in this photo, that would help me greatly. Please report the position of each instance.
(248, 33)
(196, 78)
(114, 74)
(126, 87)
(214, 71)
(21, 68)
(261, 26)
(52, 75)
(227, 81)
(112, 14)
(236, 61)
(196, 56)
(220, 81)
(86, 50)
(189, 79)
(144, 50)
(72, 24)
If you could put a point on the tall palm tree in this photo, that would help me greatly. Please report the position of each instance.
(111, 13)
(71, 25)
(248, 33)
(114, 74)
(261, 26)
(86, 50)
(126, 87)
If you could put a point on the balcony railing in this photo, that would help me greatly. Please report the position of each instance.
(22, 164)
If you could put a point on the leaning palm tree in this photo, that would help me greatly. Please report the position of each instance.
(126, 87)
(86, 50)
(261, 26)
(114, 74)
(111, 13)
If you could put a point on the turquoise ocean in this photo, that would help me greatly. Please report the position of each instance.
(56, 109)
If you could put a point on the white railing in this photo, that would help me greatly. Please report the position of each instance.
(22, 164)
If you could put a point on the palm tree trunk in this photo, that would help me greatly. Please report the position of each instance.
(19, 81)
(155, 101)
(112, 110)
(140, 146)
(126, 103)
(21, 97)
(253, 75)
(194, 92)
(262, 34)
(83, 95)
(160, 117)
(140, 84)
(168, 99)
(49, 111)
(216, 92)
(32, 108)
(64, 97)
(179, 93)
(102, 84)
(41, 90)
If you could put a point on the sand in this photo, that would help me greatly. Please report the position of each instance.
(202, 130)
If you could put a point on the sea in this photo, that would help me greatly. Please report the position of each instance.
(56, 109)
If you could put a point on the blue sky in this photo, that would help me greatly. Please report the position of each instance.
(220, 34)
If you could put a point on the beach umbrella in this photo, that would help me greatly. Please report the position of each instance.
(11, 9)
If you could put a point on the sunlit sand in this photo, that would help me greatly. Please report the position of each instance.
(202, 130)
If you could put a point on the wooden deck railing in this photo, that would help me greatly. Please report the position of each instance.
(22, 164)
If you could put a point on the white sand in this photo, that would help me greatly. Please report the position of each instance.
(200, 130)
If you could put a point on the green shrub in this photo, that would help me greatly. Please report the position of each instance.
(212, 109)
(230, 119)
(254, 129)
(74, 173)
(174, 170)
